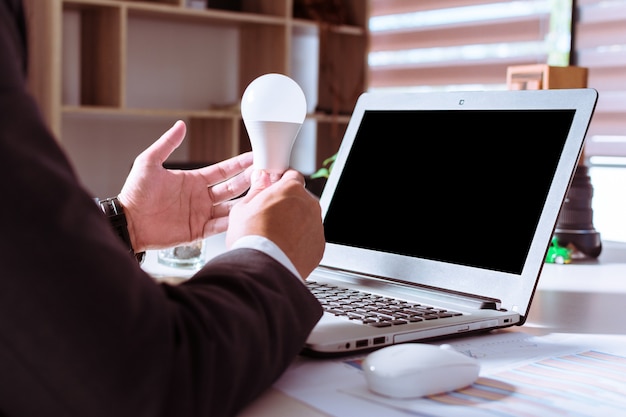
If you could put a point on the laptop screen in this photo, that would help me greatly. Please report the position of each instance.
(463, 187)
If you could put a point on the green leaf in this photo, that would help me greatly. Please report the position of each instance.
(320, 173)
(329, 160)
(327, 167)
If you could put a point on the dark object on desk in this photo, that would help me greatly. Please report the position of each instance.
(233, 5)
(575, 223)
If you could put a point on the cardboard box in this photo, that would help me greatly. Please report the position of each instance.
(543, 77)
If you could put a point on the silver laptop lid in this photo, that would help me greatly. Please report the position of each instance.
(455, 190)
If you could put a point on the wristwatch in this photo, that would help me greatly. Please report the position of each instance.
(113, 209)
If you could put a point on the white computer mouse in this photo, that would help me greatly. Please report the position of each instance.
(412, 370)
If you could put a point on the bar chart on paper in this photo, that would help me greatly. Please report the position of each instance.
(522, 376)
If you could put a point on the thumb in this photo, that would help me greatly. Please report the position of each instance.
(163, 147)
(259, 180)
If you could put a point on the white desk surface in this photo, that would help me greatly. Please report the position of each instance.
(575, 298)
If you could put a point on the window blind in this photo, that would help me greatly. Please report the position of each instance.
(462, 44)
(600, 45)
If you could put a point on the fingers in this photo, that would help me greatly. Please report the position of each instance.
(262, 179)
(223, 195)
(259, 181)
(293, 175)
(230, 189)
(222, 210)
(163, 147)
(221, 171)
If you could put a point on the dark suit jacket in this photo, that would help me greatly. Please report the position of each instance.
(83, 330)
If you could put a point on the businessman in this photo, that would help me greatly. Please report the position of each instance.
(84, 331)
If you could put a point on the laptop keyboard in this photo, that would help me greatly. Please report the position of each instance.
(372, 309)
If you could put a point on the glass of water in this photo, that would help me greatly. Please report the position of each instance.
(190, 256)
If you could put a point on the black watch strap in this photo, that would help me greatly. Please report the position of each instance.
(113, 209)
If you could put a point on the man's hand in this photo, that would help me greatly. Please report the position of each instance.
(169, 207)
(285, 213)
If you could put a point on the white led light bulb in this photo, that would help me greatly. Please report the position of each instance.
(273, 108)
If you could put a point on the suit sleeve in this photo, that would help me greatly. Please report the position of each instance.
(249, 320)
(84, 331)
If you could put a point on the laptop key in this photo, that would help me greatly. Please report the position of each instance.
(373, 310)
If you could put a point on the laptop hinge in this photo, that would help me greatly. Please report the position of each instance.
(373, 283)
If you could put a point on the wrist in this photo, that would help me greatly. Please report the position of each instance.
(130, 224)
(114, 211)
(267, 246)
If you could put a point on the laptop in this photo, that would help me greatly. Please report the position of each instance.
(438, 213)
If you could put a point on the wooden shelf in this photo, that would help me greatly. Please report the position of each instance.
(144, 64)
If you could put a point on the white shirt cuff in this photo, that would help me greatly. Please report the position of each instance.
(267, 246)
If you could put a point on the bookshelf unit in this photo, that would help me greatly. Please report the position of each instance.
(110, 76)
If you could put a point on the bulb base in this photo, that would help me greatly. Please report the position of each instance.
(272, 143)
